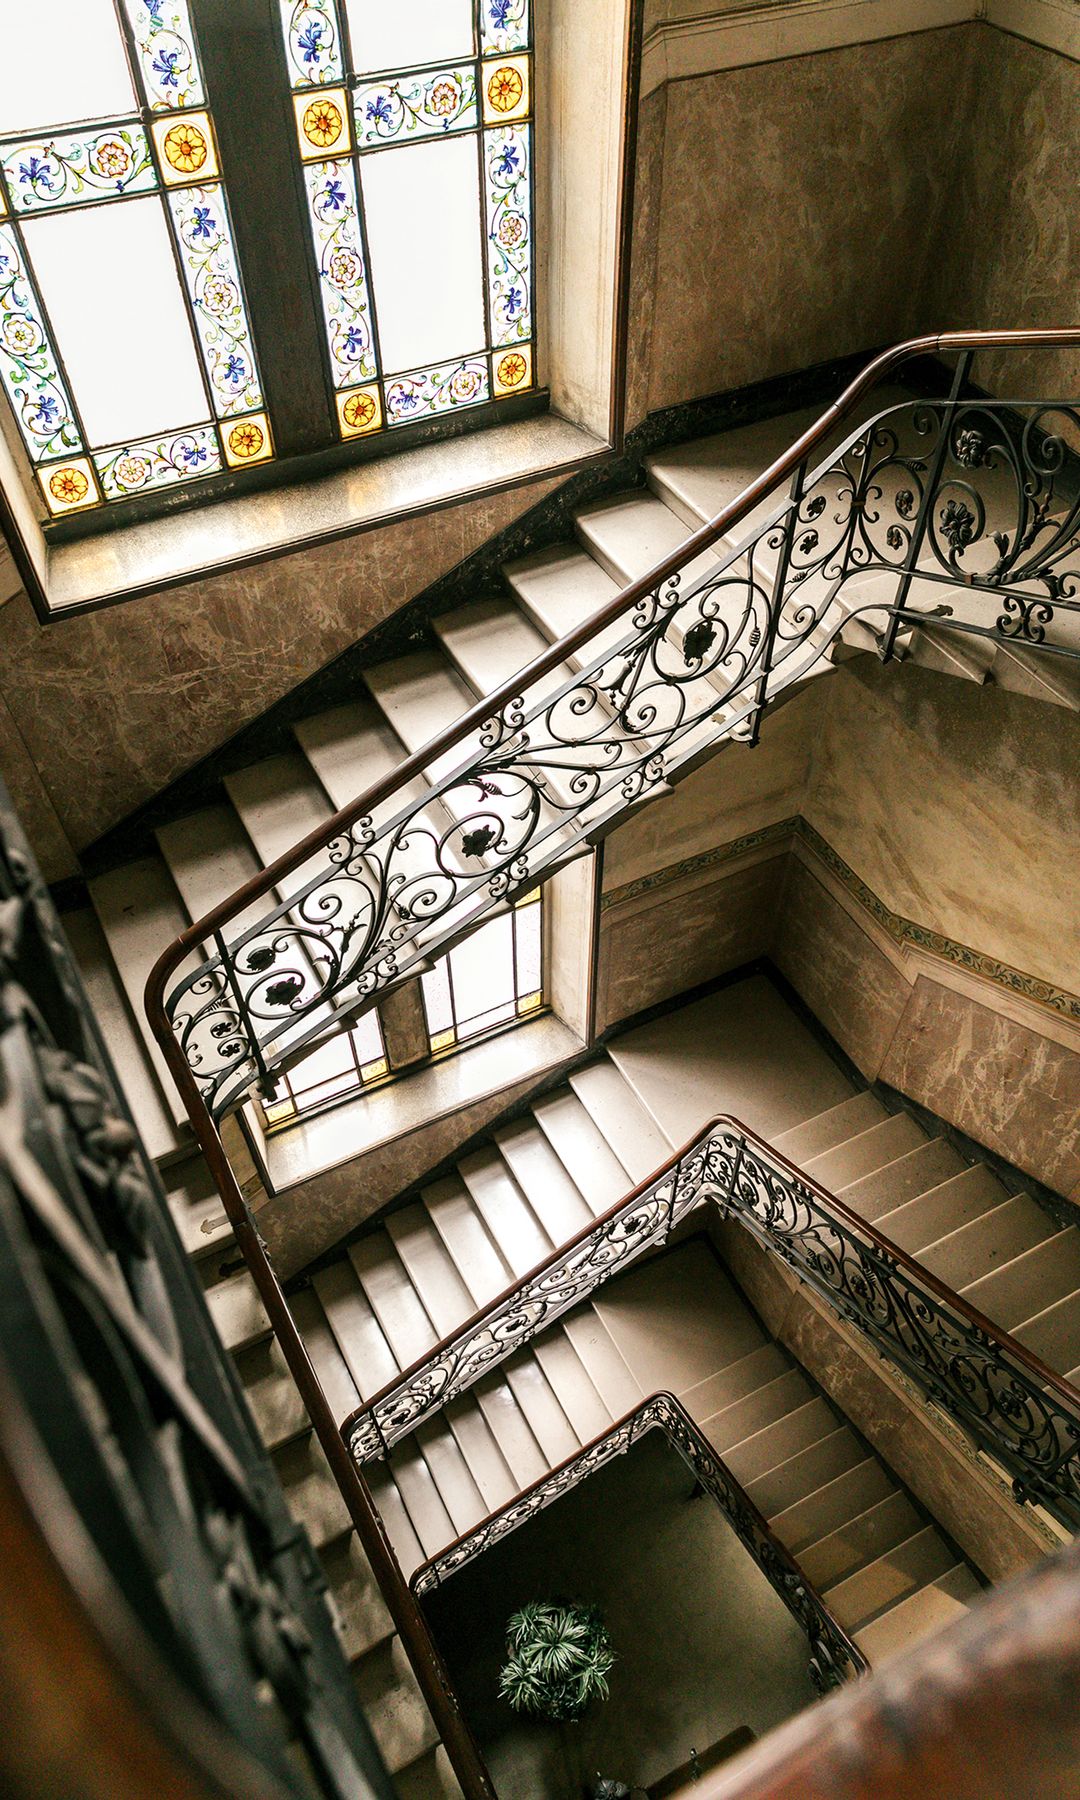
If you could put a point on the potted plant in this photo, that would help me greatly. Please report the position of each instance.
(559, 1657)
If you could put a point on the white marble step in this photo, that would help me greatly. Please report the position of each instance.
(362, 1616)
(312, 1494)
(585, 1410)
(583, 1149)
(830, 1505)
(280, 801)
(832, 1127)
(485, 1460)
(511, 1223)
(629, 1131)
(271, 1393)
(1052, 678)
(396, 1304)
(239, 1315)
(1031, 1283)
(325, 1352)
(777, 1443)
(421, 1497)
(357, 1332)
(430, 1267)
(860, 1540)
(451, 1474)
(431, 1778)
(943, 1209)
(891, 1579)
(390, 1696)
(543, 1179)
(140, 913)
(391, 1507)
(677, 1320)
(918, 1172)
(545, 1417)
(934, 1606)
(602, 1362)
(996, 1237)
(144, 1092)
(510, 1429)
(869, 1151)
(737, 1381)
(560, 588)
(780, 1488)
(209, 856)
(630, 533)
(1054, 1335)
(196, 1206)
(454, 1215)
(727, 1429)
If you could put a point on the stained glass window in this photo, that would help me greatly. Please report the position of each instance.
(344, 1065)
(125, 347)
(414, 129)
(489, 980)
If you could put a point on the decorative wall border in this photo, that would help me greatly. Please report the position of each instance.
(907, 934)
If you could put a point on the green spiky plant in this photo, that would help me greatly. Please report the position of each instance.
(559, 1658)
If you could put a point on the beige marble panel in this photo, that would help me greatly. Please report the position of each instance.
(113, 704)
(644, 246)
(802, 206)
(1015, 1092)
(32, 801)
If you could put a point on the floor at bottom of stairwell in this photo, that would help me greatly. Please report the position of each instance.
(703, 1644)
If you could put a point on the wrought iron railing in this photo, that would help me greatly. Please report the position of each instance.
(122, 1426)
(834, 1658)
(961, 512)
(1002, 1396)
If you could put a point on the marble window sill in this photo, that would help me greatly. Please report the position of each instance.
(143, 558)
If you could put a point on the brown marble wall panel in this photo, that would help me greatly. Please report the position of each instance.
(113, 704)
(644, 245)
(663, 943)
(32, 803)
(1009, 1088)
(844, 978)
(802, 206)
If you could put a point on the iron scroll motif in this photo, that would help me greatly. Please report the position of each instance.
(971, 501)
(981, 1379)
(834, 1658)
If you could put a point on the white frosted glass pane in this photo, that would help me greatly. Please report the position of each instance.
(368, 1039)
(84, 74)
(436, 990)
(329, 1060)
(423, 216)
(483, 968)
(528, 949)
(400, 37)
(109, 280)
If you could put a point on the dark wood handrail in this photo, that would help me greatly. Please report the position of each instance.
(1041, 1374)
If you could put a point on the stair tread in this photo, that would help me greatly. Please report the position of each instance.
(825, 1509)
(601, 1361)
(632, 1135)
(870, 1150)
(993, 1238)
(548, 1423)
(510, 1221)
(860, 1540)
(391, 1509)
(455, 1217)
(322, 1346)
(123, 1039)
(570, 1384)
(420, 1493)
(363, 1618)
(431, 1778)
(543, 1179)
(451, 1474)
(831, 1127)
(390, 1695)
(890, 1579)
(738, 1381)
(778, 1442)
(915, 1173)
(582, 1147)
(421, 694)
(209, 857)
(702, 477)
(140, 913)
(924, 1613)
(312, 1494)
(237, 1311)
(1054, 1334)
(777, 1490)
(1032, 1282)
(350, 748)
(196, 1205)
(510, 1429)
(630, 533)
(271, 1393)
(1052, 678)
(357, 1331)
(280, 801)
(477, 1443)
(488, 641)
(559, 588)
(430, 1267)
(729, 1427)
(677, 1320)
(396, 1304)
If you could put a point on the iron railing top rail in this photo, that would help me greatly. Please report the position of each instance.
(556, 654)
(657, 1405)
(1039, 1371)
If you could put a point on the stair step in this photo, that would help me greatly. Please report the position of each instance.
(420, 1493)
(196, 1205)
(559, 588)
(754, 1412)
(785, 1438)
(677, 1320)
(832, 1127)
(955, 653)
(630, 533)
(430, 1268)
(1052, 678)
(740, 1380)
(321, 1345)
(451, 1474)
(476, 1441)
(510, 1221)
(602, 1362)
(209, 857)
(431, 1778)
(395, 1302)
(237, 1311)
(1054, 1334)
(583, 1149)
(391, 1509)
(271, 1393)
(510, 1429)
(571, 1386)
(363, 1618)
(1030, 1283)
(699, 479)
(934, 1606)
(357, 1332)
(420, 694)
(779, 1488)
(995, 1238)
(452, 1212)
(280, 801)
(488, 641)
(140, 913)
(832, 1505)
(313, 1496)
(908, 1177)
(124, 1040)
(390, 1695)
(860, 1540)
(870, 1150)
(891, 1579)
(544, 1180)
(943, 1209)
(545, 1417)
(632, 1135)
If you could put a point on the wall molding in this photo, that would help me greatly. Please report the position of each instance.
(913, 948)
(738, 37)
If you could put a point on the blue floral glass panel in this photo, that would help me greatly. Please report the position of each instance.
(179, 456)
(312, 42)
(402, 107)
(441, 390)
(507, 174)
(168, 61)
(28, 366)
(204, 239)
(504, 26)
(64, 171)
(335, 225)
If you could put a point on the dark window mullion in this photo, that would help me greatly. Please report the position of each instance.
(249, 100)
